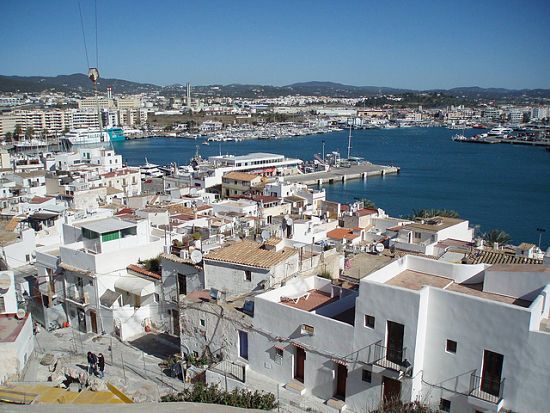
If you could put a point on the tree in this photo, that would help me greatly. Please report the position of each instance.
(367, 203)
(430, 213)
(496, 236)
(9, 136)
(17, 132)
(29, 132)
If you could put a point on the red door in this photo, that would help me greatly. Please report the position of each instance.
(299, 362)
(341, 378)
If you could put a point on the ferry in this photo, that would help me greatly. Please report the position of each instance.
(85, 136)
(30, 144)
(499, 131)
(116, 134)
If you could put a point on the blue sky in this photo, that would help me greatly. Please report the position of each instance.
(413, 44)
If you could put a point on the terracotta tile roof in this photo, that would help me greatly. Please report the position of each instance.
(525, 246)
(142, 271)
(494, 257)
(366, 211)
(342, 233)
(240, 176)
(125, 211)
(199, 295)
(40, 200)
(251, 254)
(310, 301)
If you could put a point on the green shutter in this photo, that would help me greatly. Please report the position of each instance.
(110, 236)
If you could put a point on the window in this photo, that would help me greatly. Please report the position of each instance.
(366, 376)
(195, 354)
(279, 352)
(86, 233)
(307, 329)
(369, 321)
(450, 346)
(27, 257)
(445, 405)
(243, 344)
(110, 236)
(203, 322)
(2, 305)
(417, 235)
(156, 297)
(248, 275)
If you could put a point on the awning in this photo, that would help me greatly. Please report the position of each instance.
(108, 298)
(300, 345)
(342, 362)
(135, 285)
(280, 346)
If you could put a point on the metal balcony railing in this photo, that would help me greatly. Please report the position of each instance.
(230, 369)
(389, 358)
(486, 388)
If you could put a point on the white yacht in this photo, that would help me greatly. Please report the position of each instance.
(150, 170)
(499, 131)
(85, 136)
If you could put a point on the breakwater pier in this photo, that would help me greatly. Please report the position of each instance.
(343, 174)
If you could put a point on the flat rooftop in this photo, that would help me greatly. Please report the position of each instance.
(103, 226)
(309, 301)
(433, 224)
(415, 280)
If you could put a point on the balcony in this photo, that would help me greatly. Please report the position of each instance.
(486, 393)
(388, 360)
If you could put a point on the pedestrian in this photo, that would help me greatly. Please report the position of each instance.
(101, 365)
(90, 362)
(94, 364)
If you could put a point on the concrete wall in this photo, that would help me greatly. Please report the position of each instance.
(15, 354)
(10, 299)
(170, 271)
(20, 252)
(524, 284)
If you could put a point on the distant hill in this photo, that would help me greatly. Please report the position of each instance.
(79, 83)
(76, 82)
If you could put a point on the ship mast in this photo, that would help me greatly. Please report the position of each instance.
(349, 141)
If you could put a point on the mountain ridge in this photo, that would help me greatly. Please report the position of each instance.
(79, 83)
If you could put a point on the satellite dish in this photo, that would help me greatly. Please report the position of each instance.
(289, 222)
(196, 256)
(21, 313)
(5, 283)
(379, 247)
(265, 235)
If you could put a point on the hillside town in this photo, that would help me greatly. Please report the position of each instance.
(231, 271)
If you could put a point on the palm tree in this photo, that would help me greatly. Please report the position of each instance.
(367, 203)
(430, 213)
(496, 236)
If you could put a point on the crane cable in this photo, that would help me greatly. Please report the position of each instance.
(83, 35)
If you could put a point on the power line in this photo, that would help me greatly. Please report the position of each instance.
(83, 35)
(96, 43)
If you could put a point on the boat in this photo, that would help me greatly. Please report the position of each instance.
(30, 144)
(116, 134)
(499, 131)
(85, 136)
(150, 170)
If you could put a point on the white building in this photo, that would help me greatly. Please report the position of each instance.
(464, 338)
(16, 331)
(423, 234)
(246, 266)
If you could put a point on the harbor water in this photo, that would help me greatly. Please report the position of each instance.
(493, 186)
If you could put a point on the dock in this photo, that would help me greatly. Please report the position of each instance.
(343, 174)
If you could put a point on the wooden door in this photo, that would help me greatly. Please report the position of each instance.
(394, 344)
(492, 371)
(182, 284)
(299, 362)
(392, 390)
(93, 320)
(175, 322)
(243, 344)
(341, 379)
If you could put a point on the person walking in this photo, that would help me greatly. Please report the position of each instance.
(101, 365)
(94, 364)
(90, 362)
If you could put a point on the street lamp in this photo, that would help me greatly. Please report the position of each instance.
(540, 231)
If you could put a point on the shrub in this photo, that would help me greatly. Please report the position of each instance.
(202, 393)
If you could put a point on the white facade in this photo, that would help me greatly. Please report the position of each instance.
(472, 336)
